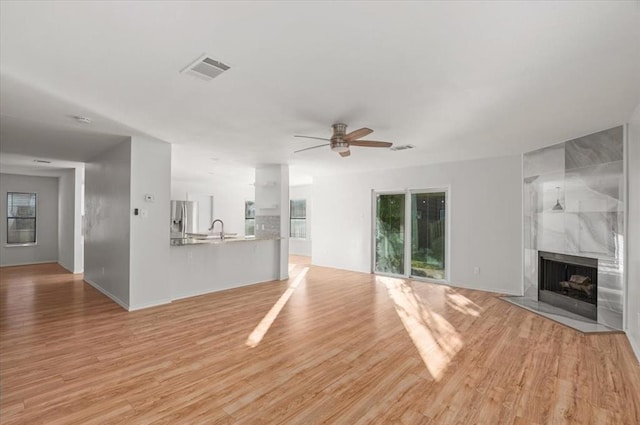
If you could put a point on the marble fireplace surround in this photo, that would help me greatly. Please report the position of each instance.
(589, 172)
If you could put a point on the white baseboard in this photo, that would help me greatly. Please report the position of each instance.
(149, 304)
(67, 268)
(108, 294)
(30, 263)
(198, 293)
(70, 269)
(635, 345)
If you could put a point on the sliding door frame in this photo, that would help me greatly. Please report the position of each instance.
(407, 231)
(374, 210)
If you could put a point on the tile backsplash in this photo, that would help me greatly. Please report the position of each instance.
(267, 226)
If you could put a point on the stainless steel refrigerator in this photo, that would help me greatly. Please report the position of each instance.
(184, 218)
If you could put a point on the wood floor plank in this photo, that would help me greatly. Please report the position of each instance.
(341, 351)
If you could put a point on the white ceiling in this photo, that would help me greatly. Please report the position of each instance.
(458, 80)
(37, 125)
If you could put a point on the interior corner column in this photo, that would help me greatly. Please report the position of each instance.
(272, 209)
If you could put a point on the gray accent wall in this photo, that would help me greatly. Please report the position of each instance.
(107, 222)
(589, 172)
(633, 232)
(127, 254)
(149, 244)
(46, 248)
(70, 245)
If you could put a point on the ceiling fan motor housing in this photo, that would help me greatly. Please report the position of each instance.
(337, 143)
(339, 130)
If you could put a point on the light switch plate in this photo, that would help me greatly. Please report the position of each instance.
(149, 197)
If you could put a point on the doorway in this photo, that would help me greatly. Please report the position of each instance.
(410, 233)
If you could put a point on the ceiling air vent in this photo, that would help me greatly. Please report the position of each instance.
(401, 147)
(205, 68)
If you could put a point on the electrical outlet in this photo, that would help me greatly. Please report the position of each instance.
(476, 270)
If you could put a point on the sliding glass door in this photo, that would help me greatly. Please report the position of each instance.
(428, 233)
(418, 249)
(389, 233)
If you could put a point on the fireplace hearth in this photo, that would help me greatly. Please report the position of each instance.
(569, 282)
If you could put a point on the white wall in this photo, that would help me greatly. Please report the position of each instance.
(633, 233)
(302, 246)
(70, 244)
(228, 200)
(46, 249)
(107, 222)
(78, 239)
(149, 249)
(485, 212)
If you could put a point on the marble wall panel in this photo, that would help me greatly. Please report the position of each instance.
(531, 273)
(551, 232)
(595, 188)
(592, 233)
(598, 148)
(610, 292)
(589, 172)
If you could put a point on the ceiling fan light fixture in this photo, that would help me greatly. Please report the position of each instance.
(340, 147)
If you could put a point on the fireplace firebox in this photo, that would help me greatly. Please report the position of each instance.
(569, 282)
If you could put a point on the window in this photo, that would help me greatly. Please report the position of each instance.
(298, 218)
(21, 218)
(249, 218)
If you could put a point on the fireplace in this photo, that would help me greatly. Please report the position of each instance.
(569, 282)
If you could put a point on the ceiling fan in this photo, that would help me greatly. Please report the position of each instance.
(340, 141)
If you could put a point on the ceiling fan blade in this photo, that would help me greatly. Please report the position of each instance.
(312, 147)
(370, 144)
(344, 154)
(356, 134)
(310, 137)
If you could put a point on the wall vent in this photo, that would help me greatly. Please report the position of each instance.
(401, 147)
(205, 68)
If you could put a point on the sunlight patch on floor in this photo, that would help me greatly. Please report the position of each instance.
(463, 304)
(435, 338)
(264, 325)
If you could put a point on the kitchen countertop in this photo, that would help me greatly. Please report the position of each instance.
(218, 241)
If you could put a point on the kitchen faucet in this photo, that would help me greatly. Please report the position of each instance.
(222, 227)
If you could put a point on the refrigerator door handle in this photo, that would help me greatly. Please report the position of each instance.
(184, 220)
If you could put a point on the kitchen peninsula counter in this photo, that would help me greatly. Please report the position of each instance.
(201, 241)
(201, 266)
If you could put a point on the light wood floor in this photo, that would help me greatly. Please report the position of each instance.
(340, 352)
